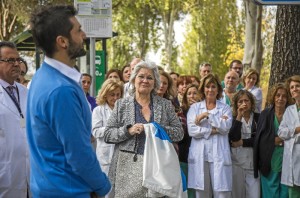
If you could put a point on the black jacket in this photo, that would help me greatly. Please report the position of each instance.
(264, 142)
(235, 132)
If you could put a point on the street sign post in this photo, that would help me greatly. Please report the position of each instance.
(277, 2)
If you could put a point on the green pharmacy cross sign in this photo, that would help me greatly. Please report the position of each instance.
(277, 2)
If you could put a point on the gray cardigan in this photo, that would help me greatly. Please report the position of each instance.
(123, 116)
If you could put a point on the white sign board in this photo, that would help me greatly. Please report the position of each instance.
(95, 17)
(277, 2)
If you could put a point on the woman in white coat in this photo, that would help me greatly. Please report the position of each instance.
(209, 161)
(251, 82)
(109, 93)
(289, 131)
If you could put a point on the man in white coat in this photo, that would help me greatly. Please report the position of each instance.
(14, 164)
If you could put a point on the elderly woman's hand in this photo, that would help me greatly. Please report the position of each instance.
(136, 129)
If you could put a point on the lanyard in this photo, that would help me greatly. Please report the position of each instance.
(17, 104)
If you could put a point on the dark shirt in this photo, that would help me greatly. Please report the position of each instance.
(185, 143)
(139, 118)
(91, 100)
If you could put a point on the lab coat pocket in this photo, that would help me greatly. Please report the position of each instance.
(297, 139)
(194, 171)
(104, 154)
(227, 157)
(5, 177)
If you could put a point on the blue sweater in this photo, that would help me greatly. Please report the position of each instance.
(63, 163)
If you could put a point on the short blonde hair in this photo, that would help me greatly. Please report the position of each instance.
(108, 86)
(250, 72)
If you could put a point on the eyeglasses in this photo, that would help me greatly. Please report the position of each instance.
(237, 68)
(12, 60)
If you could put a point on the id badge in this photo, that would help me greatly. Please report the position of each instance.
(22, 123)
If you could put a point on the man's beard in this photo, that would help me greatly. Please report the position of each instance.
(75, 50)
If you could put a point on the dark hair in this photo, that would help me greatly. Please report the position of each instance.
(122, 71)
(273, 91)
(235, 61)
(89, 75)
(112, 71)
(185, 103)
(210, 78)
(171, 73)
(48, 23)
(181, 80)
(169, 92)
(237, 96)
(7, 44)
(25, 63)
(196, 78)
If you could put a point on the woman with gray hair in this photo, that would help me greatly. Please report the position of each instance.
(125, 129)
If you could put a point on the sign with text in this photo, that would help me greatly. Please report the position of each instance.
(99, 69)
(277, 2)
(95, 17)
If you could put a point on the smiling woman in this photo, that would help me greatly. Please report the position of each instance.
(166, 86)
(251, 82)
(289, 131)
(209, 122)
(125, 129)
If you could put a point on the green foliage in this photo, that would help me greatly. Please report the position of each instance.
(212, 25)
(138, 30)
(15, 14)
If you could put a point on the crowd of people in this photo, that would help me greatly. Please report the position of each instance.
(227, 144)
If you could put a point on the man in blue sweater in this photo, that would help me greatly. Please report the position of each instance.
(63, 163)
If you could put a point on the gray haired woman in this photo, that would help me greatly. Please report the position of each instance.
(125, 129)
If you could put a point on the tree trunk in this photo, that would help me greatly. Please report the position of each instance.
(286, 51)
(253, 43)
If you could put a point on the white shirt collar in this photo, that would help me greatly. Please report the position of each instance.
(64, 69)
(6, 84)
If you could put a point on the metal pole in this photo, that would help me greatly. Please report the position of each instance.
(92, 65)
(104, 49)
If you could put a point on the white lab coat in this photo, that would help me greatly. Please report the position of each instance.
(104, 151)
(14, 163)
(291, 154)
(221, 149)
